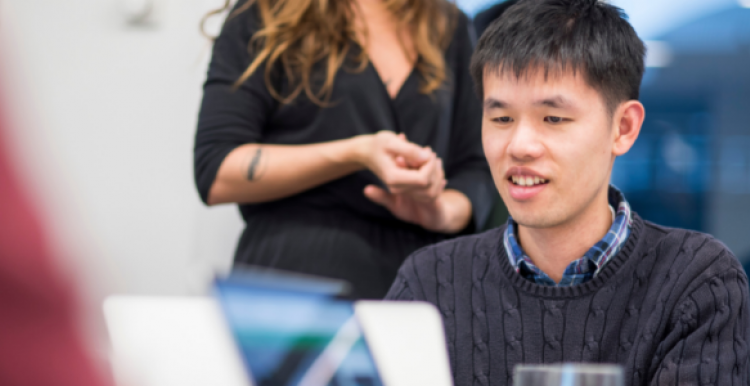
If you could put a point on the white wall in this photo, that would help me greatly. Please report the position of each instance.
(105, 115)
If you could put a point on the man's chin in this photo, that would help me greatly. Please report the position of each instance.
(534, 222)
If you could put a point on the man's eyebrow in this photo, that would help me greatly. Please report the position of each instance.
(492, 103)
(554, 102)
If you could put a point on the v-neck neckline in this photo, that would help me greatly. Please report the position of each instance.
(391, 101)
(371, 66)
(385, 88)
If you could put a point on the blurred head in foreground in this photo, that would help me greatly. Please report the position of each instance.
(39, 341)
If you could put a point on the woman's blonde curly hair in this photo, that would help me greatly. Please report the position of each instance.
(302, 34)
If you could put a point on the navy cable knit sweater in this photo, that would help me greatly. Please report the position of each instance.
(671, 307)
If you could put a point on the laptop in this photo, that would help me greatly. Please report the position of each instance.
(257, 332)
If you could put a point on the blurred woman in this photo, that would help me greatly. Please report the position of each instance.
(347, 131)
(41, 342)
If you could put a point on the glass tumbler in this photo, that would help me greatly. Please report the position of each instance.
(568, 374)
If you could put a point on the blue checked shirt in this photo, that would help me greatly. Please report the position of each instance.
(585, 268)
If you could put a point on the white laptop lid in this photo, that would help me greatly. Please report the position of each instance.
(171, 341)
(407, 342)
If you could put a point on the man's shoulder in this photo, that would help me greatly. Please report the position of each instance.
(443, 268)
(465, 247)
(692, 252)
(692, 242)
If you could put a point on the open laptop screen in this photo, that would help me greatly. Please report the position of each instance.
(288, 337)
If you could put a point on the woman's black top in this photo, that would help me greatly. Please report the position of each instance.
(333, 230)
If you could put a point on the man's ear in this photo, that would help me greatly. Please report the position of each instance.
(627, 125)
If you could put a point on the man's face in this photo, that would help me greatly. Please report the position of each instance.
(549, 144)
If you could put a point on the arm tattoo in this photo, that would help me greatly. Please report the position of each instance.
(253, 168)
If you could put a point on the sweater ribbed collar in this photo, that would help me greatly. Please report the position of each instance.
(612, 268)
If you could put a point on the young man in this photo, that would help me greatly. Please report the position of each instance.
(576, 276)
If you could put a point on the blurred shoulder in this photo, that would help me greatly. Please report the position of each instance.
(464, 27)
(243, 19)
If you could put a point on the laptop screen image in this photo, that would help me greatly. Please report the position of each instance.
(296, 338)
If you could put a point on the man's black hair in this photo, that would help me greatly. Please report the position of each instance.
(586, 36)
(483, 19)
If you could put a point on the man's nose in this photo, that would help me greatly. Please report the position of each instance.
(526, 144)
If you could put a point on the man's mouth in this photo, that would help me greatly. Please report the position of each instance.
(527, 180)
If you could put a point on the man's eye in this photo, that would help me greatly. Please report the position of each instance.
(503, 119)
(553, 119)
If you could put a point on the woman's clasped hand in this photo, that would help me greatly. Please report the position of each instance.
(414, 182)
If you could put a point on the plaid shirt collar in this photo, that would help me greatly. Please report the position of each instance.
(585, 268)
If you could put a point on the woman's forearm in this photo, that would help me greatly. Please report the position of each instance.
(457, 211)
(255, 173)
